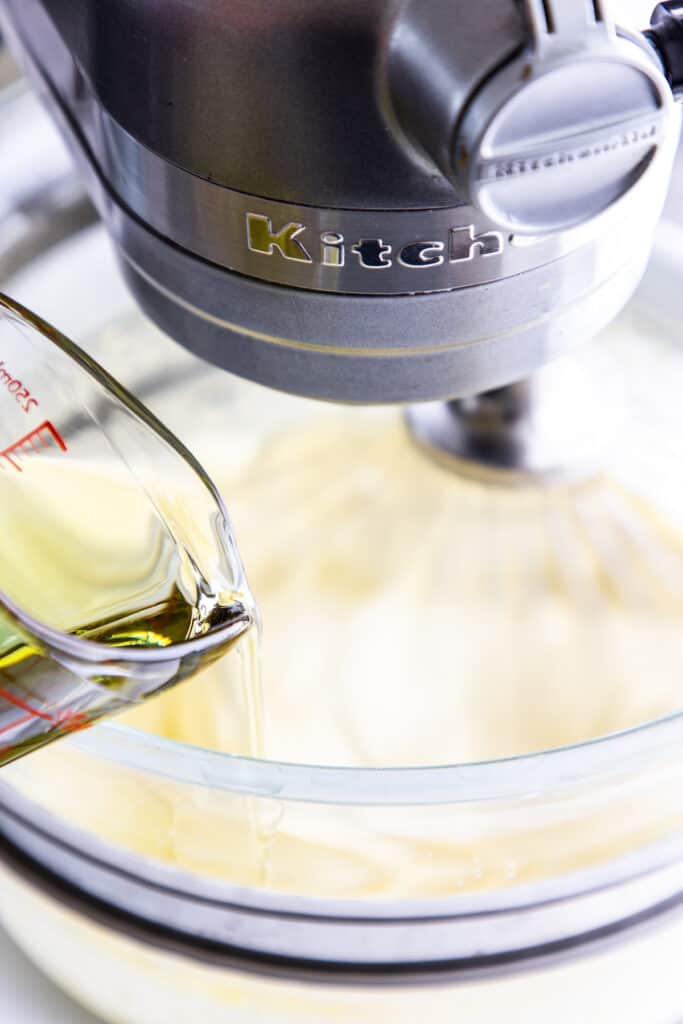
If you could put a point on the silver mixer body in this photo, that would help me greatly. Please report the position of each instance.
(366, 201)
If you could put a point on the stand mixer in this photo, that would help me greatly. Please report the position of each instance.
(428, 203)
(375, 202)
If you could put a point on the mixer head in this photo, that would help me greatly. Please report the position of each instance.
(376, 201)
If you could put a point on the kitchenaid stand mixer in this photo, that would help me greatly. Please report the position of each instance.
(421, 203)
(370, 202)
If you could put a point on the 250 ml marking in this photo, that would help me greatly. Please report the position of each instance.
(16, 388)
(33, 443)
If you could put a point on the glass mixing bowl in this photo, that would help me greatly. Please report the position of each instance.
(155, 879)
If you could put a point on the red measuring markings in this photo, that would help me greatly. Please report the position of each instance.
(65, 720)
(33, 443)
(12, 698)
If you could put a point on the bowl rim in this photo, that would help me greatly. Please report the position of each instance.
(526, 776)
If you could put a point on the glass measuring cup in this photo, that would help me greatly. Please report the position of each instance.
(119, 575)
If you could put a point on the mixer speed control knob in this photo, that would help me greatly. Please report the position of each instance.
(543, 135)
(564, 131)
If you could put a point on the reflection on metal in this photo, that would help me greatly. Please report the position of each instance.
(9, 72)
(554, 426)
(42, 200)
(52, 216)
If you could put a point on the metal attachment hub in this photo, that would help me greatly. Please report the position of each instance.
(557, 425)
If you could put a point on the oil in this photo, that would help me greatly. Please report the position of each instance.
(42, 700)
(91, 558)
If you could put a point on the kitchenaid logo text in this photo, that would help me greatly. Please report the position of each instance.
(294, 242)
(526, 165)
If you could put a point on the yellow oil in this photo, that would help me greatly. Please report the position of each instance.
(88, 555)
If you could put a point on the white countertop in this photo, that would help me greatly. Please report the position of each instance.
(27, 997)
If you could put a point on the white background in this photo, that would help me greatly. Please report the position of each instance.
(26, 997)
